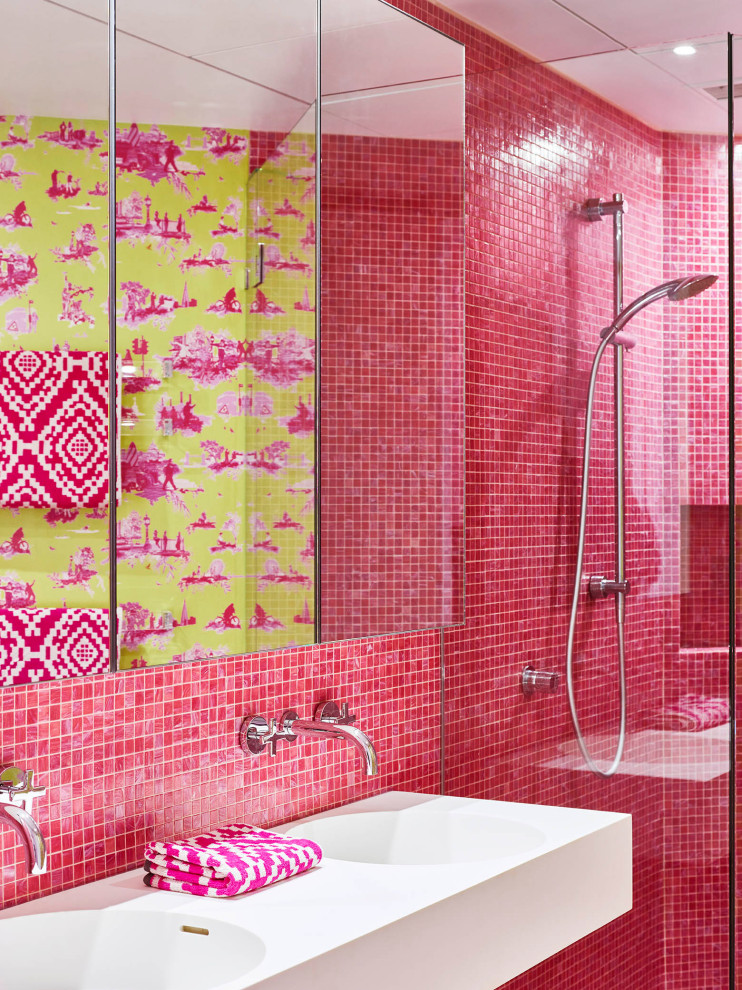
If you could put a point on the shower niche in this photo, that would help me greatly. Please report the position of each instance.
(287, 345)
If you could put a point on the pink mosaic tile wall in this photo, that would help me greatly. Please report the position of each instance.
(154, 753)
(704, 598)
(696, 813)
(696, 237)
(262, 143)
(391, 409)
(538, 292)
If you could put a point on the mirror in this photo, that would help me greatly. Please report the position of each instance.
(392, 341)
(213, 462)
(262, 504)
(54, 575)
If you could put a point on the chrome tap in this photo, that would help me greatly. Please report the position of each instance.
(329, 722)
(17, 795)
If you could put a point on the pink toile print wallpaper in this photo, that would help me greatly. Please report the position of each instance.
(53, 291)
(216, 535)
(215, 528)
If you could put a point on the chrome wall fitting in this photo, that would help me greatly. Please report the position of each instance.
(600, 587)
(17, 795)
(596, 209)
(257, 733)
(534, 681)
(330, 721)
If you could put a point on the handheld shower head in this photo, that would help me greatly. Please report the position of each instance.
(676, 290)
(691, 286)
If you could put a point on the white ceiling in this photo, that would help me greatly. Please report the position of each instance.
(622, 50)
(33, 61)
(640, 23)
(234, 63)
(55, 63)
(251, 63)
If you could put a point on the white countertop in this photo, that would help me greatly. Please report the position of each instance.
(309, 917)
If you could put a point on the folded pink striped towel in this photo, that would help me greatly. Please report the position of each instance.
(230, 860)
(691, 713)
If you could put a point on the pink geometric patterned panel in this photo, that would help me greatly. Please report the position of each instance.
(44, 644)
(54, 429)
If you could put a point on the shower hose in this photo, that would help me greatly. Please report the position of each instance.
(578, 587)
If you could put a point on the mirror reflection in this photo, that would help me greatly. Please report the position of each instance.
(232, 533)
(391, 409)
(54, 576)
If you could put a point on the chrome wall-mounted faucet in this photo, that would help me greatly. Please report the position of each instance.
(17, 795)
(329, 722)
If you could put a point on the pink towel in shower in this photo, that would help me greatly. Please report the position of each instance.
(54, 429)
(230, 860)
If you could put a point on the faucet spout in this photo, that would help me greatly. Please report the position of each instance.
(323, 729)
(28, 829)
(330, 722)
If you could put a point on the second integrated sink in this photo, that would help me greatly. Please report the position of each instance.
(412, 837)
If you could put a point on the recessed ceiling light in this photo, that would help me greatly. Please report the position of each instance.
(684, 50)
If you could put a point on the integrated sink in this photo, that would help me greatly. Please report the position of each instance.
(411, 837)
(439, 892)
(123, 950)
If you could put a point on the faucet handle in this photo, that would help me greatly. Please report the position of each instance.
(17, 784)
(329, 712)
(257, 733)
(13, 780)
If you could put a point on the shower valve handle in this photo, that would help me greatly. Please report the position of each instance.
(600, 587)
(534, 681)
